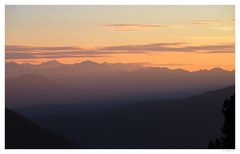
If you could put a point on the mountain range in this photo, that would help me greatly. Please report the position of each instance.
(104, 83)
(105, 105)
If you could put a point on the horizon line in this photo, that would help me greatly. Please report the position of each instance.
(140, 64)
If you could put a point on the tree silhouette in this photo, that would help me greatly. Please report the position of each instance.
(227, 141)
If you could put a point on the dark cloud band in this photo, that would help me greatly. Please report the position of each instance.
(29, 52)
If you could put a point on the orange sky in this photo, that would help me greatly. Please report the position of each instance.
(188, 37)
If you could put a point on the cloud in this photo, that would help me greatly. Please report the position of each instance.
(30, 48)
(17, 55)
(144, 47)
(26, 55)
(18, 52)
(218, 48)
(174, 47)
(226, 28)
(129, 27)
(29, 52)
(134, 26)
(73, 56)
(206, 22)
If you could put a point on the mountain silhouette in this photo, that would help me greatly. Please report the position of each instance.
(178, 123)
(89, 63)
(20, 133)
(50, 64)
(108, 83)
(105, 105)
(32, 89)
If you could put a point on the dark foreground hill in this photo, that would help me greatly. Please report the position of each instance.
(181, 123)
(20, 133)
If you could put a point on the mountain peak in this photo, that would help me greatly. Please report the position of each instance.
(217, 69)
(11, 63)
(88, 62)
(50, 64)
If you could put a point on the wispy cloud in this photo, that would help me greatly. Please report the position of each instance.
(27, 55)
(206, 22)
(138, 26)
(128, 26)
(225, 28)
(29, 52)
(175, 47)
(144, 47)
(31, 48)
(19, 55)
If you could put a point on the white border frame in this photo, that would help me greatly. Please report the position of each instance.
(112, 2)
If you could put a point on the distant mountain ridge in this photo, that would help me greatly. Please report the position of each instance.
(90, 82)
(55, 64)
(32, 89)
(50, 64)
(12, 68)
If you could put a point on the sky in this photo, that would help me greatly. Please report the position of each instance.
(187, 37)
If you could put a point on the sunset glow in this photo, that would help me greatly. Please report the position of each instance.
(120, 77)
(187, 37)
